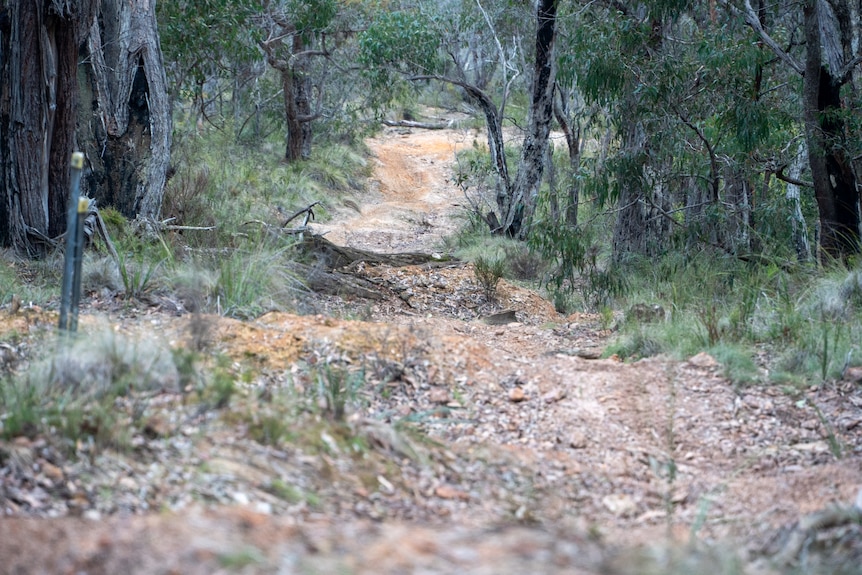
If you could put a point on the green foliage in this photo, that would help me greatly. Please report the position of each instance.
(197, 35)
(488, 273)
(338, 387)
(399, 42)
(737, 362)
(232, 265)
(74, 390)
(28, 281)
(577, 264)
(311, 16)
(242, 560)
(802, 328)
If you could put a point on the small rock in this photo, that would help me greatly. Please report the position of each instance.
(501, 318)
(157, 426)
(703, 360)
(578, 440)
(620, 504)
(591, 353)
(127, 483)
(853, 374)
(439, 395)
(52, 472)
(262, 507)
(92, 515)
(554, 395)
(240, 497)
(517, 395)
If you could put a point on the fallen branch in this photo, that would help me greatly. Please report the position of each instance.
(337, 257)
(421, 125)
(308, 210)
(809, 526)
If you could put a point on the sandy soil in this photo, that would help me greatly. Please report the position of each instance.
(546, 460)
(411, 202)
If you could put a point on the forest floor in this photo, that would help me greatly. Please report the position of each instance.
(480, 446)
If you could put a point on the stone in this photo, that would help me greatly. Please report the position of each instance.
(517, 395)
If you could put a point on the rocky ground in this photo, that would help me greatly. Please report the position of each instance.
(479, 443)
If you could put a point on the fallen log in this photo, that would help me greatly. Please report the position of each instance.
(338, 257)
(421, 125)
(334, 272)
(325, 281)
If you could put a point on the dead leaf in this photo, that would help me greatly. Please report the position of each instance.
(448, 492)
(554, 395)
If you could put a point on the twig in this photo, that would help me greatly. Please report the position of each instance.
(295, 215)
(421, 125)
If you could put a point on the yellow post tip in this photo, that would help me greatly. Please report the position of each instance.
(78, 160)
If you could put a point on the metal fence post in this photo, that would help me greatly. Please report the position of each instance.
(71, 289)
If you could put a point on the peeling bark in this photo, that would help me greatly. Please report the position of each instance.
(835, 185)
(38, 101)
(126, 123)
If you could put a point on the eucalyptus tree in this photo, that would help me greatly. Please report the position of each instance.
(702, 117)
(207, 43)
(307, 43)
(84, 74)
(425, 41)
(819, 41)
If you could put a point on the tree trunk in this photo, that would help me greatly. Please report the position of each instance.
(125, 119)
(571, 129)
(736, 207)
(831, 170)
(293, 148)
(496, 146)
(529, 179)
(797, 220)
(38, 59)
(642, 227)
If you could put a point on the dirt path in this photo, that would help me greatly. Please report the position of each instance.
(542, 460)
(411, 203)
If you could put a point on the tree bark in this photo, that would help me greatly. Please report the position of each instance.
(571, 129)
(800, 229)
(125, 121)
(529, 179)
(835, 186)
(641, 228)
(38, 100)
(295, 88)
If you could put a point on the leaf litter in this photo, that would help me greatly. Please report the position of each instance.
(415, 437)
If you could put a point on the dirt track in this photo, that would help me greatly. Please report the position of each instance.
(547, 461)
